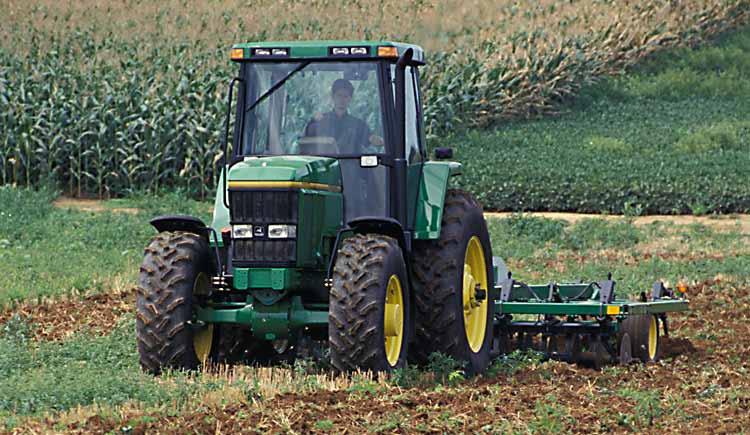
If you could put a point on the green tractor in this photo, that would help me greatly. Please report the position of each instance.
(330, 225)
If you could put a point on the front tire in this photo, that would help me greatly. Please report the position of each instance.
(175, 269)
(368, 325)
(454, 287)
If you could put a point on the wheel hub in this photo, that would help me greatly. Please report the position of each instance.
(474, 295)
(394, 322)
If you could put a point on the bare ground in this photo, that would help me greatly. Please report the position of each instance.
(701, 386)
(59, 318)
(94, 205)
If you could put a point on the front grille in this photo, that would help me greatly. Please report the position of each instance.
(261, 208)
(267, 252)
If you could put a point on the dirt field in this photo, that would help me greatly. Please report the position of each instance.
(701, 385)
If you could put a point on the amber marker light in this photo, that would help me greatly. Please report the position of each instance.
(237, 54)
(226, 235)
(682, 287)
(387, 52)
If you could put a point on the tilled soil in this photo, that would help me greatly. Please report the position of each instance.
(58, 319)
(701, 386)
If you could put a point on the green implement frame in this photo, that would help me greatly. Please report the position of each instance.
(580, 322)
(575, 299)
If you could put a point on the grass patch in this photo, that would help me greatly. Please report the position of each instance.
(592, 234)
(723, 136)
(41, 377)
(647, 409)
(550, 417)
(48, 251)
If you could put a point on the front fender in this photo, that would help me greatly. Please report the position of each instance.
(185, 223)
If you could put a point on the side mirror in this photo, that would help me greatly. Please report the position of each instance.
(443, 153)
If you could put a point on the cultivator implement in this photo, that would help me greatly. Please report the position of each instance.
(582, 322)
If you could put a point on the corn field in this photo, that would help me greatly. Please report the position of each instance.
(130, 96)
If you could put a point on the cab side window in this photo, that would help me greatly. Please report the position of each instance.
(413, 149)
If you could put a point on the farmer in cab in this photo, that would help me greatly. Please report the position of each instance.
(350, 133)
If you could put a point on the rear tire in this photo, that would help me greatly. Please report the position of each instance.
(176, 265)
(368, 324)
(440, 269)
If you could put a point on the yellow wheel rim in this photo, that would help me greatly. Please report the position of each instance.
(393, 321)
(202, 341)
(203, 338)
(475, 310)
(653, 336)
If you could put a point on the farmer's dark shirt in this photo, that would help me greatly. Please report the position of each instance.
(351, 134)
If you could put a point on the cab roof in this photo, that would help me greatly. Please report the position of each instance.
(329, 49)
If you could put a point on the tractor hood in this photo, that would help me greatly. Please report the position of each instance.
(301, 169)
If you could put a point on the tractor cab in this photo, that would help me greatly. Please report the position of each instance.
(335, 100)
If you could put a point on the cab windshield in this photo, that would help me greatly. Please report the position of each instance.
(315, 108)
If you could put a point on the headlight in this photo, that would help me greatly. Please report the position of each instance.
(242, 231)
(282, 231)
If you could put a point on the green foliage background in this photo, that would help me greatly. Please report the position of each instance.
(672, 137)
(108, 100)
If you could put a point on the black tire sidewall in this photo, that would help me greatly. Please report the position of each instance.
(186, 255)
(637, 327)
(361, 278)
(475, 225)
(198, 264)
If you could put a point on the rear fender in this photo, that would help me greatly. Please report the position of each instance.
(431, 201)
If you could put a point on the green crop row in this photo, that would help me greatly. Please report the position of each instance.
(670, 138)
(96, 109)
